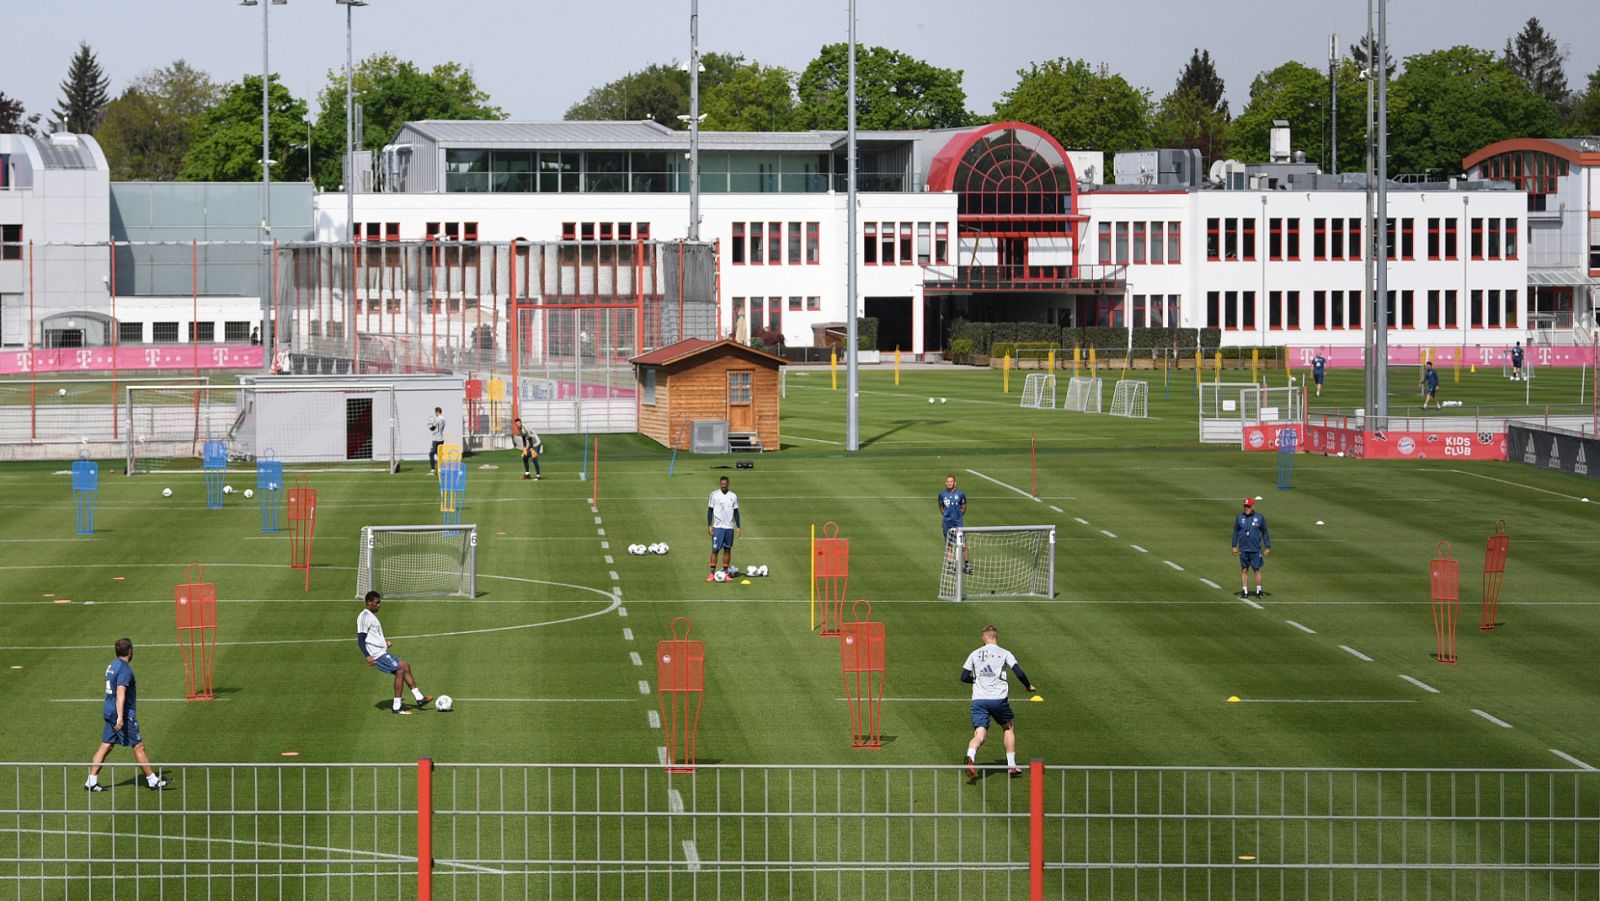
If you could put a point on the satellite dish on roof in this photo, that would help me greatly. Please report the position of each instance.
(1218, 170)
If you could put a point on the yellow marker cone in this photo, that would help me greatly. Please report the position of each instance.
(744, 581)
(1233, 699)
(1037, 698)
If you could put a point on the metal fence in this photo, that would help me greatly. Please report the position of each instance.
(615, 831)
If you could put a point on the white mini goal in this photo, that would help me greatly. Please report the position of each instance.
(164, 423)
(999, 562)
(1039, 391)
(1131, 399)
(1083, 394)
(418, 561)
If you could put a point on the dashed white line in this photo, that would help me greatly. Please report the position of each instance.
(605, 545)
(634, 656)
(627, 634)
(601, 532)
(614, 576)
(1330, 701)
(644, 687)
(1173, 565)
(1355, 653)
(1138, 548)
(1210, 583)
(596, 520)
(1080, 520)
(1306, 629)
(1570, 759)
(609, 560)
(1057, 509)
(661, 754)
(1259, 607)
(674, 800)
(622, 611)
(655, 719)
(691, 856)
(1001, 484)
(1108, 534)
(1420, 684)
(1492, 718)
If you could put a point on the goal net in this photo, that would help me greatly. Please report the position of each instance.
(1039, 391)
(418, 561)
(1131, 399)
(1083, 394)
(168, 423)
(352, 422)
(1004, 561)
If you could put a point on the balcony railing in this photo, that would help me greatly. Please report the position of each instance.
(1084, 278)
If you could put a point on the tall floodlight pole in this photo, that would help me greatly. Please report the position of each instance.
(1333, 104)
(1369, 254)
(852, 411)
(266, 160)
(1380, 52)
(349, 120)
(694, 120)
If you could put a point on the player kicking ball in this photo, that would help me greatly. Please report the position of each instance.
(369, 635)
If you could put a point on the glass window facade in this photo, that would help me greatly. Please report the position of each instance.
(638, 172)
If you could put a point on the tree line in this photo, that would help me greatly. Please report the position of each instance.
(178, 123)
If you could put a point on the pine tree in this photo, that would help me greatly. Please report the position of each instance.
(1199, 78)
(1536, 58)
(84, 94)
(1362, 51)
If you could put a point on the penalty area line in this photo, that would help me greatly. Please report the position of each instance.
(1492, 718)
(1420, 684)
(1354, 653)
(1570, 759)
(1001, 484)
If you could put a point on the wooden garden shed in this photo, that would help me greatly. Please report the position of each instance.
(699, 380)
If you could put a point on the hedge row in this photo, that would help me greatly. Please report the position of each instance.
(986, 335)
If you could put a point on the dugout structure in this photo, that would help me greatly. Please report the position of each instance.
(418, 561)
(1006, 562)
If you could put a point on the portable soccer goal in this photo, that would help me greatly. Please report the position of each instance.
(1083, 394)
(1131, 399)
(342, 422)
(418, 561)
(1004, 562)
(1039, 391)
(166, 423)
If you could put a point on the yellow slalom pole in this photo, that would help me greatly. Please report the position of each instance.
(897, 365)
(813, 577)
(1051, 363)
(1255, 364)
(1005, 374)
(1199, 368)
(1094, 364)
(1077, 359)
(1216, 372)
(833, 367)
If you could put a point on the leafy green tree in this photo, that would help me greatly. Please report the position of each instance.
(1536, 58)
(1586, 107)
(1449, 103)
(148, 129)
(893, 91)
(227, 146)
(1199, 77)
(1080, 105)
(1293, 92)
(1184, 118)
(660, 92)
(83, 93)
(14, 119)
(753, 98)
(390, 92)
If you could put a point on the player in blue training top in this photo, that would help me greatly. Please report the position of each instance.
(1430, 385)
(722, 524)
(952, 509)
(985, 671)
(1251, 544)
(1516, 362)
(1319, 369)
(122, 720)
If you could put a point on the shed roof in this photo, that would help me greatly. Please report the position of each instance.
(694, 347)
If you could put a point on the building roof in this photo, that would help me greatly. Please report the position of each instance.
(694, 347)
(1583, 151)
(65, 151)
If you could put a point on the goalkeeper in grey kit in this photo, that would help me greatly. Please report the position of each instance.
(532, 447)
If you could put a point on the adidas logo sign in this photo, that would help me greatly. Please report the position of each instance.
(1555, 454)
(1581, 465)
(1529, 455)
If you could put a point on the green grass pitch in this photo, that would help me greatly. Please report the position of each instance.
(1135, 657)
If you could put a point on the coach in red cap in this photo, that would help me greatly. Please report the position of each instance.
(1251, 544)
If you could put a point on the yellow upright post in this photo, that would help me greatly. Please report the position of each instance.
(897, 365)
(1094, 364)
(833, 367)
(1217, 368)
(1077, 359)
(1457, 367)
(1255, 364)
(1005, 373)
(1050, 364)
(813, 577)
(1199, 367)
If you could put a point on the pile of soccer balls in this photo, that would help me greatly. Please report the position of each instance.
(734, 572)
(639, 550)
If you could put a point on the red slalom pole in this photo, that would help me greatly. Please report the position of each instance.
(1036, 830)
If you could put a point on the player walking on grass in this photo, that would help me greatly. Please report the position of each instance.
(952, 513)
(531, 448)
(1251, 544)
(1516, 362)
(369, 635)
(1319, 371)
(1429, 385)
(722, 524)
(436, 437)
(122, 720)
(985, 671)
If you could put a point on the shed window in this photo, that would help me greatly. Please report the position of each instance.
(650, 387)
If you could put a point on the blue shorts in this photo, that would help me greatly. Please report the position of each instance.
(128, 736)
(721, 540)
(997, 708)
(389, 663)
(1249, 559)
(948, 528)
(1317, 376)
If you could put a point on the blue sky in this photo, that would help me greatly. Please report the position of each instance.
(536, 58)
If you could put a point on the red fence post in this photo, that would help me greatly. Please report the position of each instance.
(425, 829)
(1036, 830)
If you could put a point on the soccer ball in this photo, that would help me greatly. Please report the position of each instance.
(664, 547)
(930, 400)
(733, 571)
(944, 400)
(272, 486)
(721, 576)
(166, 492)
(443, 703)
(761, 570)
(61, 393)
(653, 549)
(227, 489)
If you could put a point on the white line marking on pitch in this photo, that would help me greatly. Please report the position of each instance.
(614, 576)
(545, 700)
(627, 634)
(597, 520)
(622, 611)
(1057, 509)
(102, 700)
(1257, 606)
(1569, 497)
(634, 656)
(1355, 653)
(1108, 534)
(1212, 584)
(1173, 565)
(674, 800)
(602, 532)
(1306, 629)
(1001, 484)
(1570, 759)
(605, 545)
(1492, 718)
(1080, 520)
(644, 687)
(691, 855)
(1329, 701)
(1138, 548)
(1420, 684)
(907, 700)
(609, 560)
(661, 754)
(655, 719)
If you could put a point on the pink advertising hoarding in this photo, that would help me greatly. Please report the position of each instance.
(1445, 355)
(178, 357)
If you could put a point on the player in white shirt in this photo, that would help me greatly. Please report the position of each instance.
(722, 524)
(369, 635)
(436, 438)
(985, 670)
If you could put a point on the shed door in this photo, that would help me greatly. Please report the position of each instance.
(741, 406)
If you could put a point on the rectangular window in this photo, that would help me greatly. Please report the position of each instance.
(1105, 242)
(1451, 301)
(757, 242)
(1494, 308)
(1511, 239)
(774, 243)
(1319, 239)
(1511, 308)
(1174, 242)
(796, 304)
(756, 319)
(1291, 239)
(1213, 311)
(1477, 239)
(1336, 239)
(1291, 313)
(236, 332)
(1174, 311)
(1391, 230)
(1393, 310)
(794, 243)
(1247, 249)
(1230, 309)
(10, 242)
(813, 304)
(869, 244)
(642, 230)
(905, 244)
(1408, 309)
(1450, 239)
(1319, 309)
(775, 314)
(202, 331)
(1122, 243)
(941, 243)
(1275, 242)
(738, 244)
(1408, 238)
(1139, 311)
(813, 243)
(1158, 243)
(1494, 238)
(1435, 314)
(1355, 250)
(648, 391)
(924, 243)
(1230, 238)
(625, 231)
(1213, 239)
(886, 243)
(1353, 302)
(1275, 307)
(1433, 238)
(130, 332)
(1139, 241)
(164, 332)
(1476, 320)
